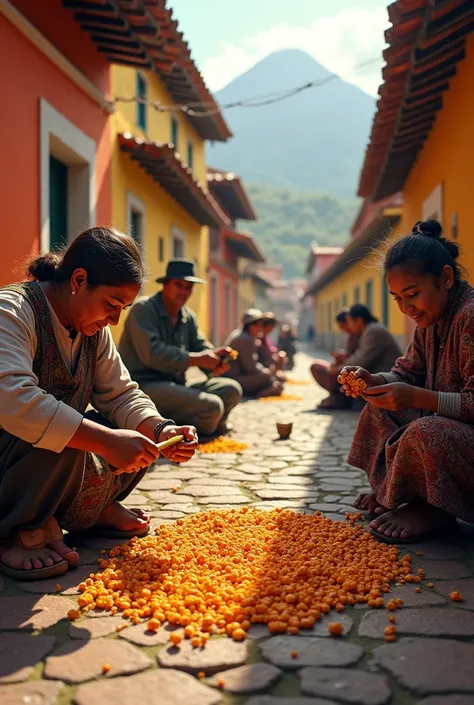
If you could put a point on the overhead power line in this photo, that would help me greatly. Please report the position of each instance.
(208, 109)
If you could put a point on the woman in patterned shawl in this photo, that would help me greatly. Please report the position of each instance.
(415, 437)
(60, 467)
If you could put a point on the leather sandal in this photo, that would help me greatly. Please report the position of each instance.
(30, 540)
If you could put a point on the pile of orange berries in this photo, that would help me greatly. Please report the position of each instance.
(299, 382)
(282, 397)
(353, 386)
(219, 572)
(222, 445)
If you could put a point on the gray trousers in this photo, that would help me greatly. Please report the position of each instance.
(73, 486)
(255, 382)
(205, 405)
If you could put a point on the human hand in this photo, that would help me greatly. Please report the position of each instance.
(394, 397)
(359, 372)
(221, 369)
(129, 451)
(222, 351)
(207, 360)
(180, 452)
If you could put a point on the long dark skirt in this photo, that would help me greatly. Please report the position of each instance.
(407, 456)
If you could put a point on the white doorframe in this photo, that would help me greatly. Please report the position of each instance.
(60, 138)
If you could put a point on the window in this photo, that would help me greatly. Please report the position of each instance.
(356, 295)
(174, 133)
(67, 185)
(177, 242)
(344, 300)
(336, 307)
(161, 249)
(368, 294)
(385, 303)
(58, 202)
(136, 225)
(190, 155)
(214, 239)
(227, 302)
(142, 93)
(329, 317)
(214, 307)
(136, 218)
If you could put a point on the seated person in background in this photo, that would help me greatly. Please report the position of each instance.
(377, 350)
(254, 378)
(268, 353)
(325, 373)
(161, 340)
(287, 343)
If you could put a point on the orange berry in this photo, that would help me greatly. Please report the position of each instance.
(238, 635)
(455, 596)
(201, 674)
(294, 654)
(335, 628)
(175, 638)
(106, 667)
(72, 615)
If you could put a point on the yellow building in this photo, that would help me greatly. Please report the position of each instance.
(356, 276)
(159, 187)
(422, 140)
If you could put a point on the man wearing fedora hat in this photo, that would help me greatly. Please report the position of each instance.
(254, 378)
(161, 340)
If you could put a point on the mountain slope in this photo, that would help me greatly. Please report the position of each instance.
(290, 221)
(313, 141)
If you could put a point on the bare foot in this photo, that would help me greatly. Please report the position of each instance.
(368, 503)
(66, 553)
(117, 517)
(415, 519)
(21, 558)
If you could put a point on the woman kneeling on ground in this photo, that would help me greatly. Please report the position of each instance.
(415, 438)
(59, 469)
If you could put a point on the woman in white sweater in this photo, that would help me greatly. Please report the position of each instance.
(58, 468)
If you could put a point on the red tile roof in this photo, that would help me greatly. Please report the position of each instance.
(426, 42)
(244, 245)
(144, 34)
(228, 188)
(162, 163)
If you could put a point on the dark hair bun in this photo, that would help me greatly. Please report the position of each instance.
(431, 228)
(44, 267)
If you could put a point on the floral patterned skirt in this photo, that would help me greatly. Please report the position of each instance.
(408, 456)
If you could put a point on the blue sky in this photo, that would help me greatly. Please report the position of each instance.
(227, 38)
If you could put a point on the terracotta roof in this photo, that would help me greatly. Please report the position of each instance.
(377, 230)
(244, 245)
(229, 190)
(143, 34)
(426, 43)
(162, 163)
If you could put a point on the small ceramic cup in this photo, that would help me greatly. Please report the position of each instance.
(284, 430)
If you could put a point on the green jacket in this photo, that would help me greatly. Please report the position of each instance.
(153, 349)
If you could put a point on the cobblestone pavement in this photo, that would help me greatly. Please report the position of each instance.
(45, 660)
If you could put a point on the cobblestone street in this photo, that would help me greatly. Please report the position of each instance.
(47, 660)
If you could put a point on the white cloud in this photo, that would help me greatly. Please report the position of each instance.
(340, 43)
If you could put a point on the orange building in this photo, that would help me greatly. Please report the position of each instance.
(227, 248)
(55, 153)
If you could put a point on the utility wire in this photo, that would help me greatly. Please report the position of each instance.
(208, 109)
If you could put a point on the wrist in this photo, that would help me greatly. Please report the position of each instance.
(425, 399)
(377, 380)
(194, 359)
(160, 427)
